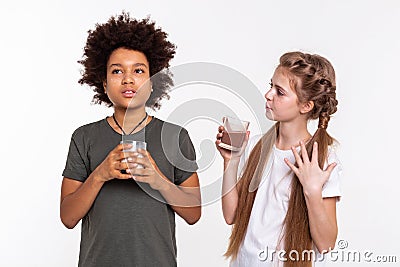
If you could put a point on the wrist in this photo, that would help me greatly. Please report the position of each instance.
(312, 195)
(164, 185)
(97, 178)
(232, 162)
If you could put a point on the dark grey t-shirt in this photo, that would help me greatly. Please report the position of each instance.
(129, 224)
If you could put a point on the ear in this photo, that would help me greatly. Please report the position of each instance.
(306, 107)
(151, 85)
(105, 86)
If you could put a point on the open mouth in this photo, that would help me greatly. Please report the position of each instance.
(129, 93)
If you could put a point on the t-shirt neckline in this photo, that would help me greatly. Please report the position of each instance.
(284, 150)
(146, 127)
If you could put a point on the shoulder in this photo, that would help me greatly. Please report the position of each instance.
(160, 122)
(169, 128)
(253, 140)
(86, 129)
(332, 187)
(333, 151)
(249, 147)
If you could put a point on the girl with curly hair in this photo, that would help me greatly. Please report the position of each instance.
(127, 212)
(283, 207)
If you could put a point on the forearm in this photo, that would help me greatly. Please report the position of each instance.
(75, 206)
(323, 226)
(229, 190)
(185, 201)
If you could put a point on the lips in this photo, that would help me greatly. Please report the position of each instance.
(129, 93)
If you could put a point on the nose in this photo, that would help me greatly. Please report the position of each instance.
(268, 95)
(128, 78)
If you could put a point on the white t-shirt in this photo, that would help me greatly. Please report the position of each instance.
(259, 247)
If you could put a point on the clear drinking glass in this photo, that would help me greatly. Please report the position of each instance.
(135, 146)
(234, 134)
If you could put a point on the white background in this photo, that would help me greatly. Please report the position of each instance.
(42, 104)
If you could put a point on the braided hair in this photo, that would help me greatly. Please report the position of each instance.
(313, 79)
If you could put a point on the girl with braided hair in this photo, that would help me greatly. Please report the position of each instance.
(283, 206)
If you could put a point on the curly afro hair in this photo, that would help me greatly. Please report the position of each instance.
(126, 32)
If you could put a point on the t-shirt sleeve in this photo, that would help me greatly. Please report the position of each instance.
(186, 159)
(76, 166)
(332, 187)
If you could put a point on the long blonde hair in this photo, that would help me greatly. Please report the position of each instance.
(313, 79)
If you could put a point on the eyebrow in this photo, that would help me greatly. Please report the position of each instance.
(135, 65)
(278, 86)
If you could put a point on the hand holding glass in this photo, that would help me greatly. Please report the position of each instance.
(135, 146)
(234, 133)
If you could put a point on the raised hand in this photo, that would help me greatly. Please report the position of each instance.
(310, 175)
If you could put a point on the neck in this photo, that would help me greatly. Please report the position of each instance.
(291, 133)
(129, 118)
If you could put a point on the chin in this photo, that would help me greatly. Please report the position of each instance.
(269, 115)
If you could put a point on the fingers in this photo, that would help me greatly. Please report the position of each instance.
(121, 147)
(330, 168)
(221, 130)
(121, 155)
(145, 159)
(127, 160)
(246, 138)
(314, 157)
(119, 170)
(292, 167)
(135, 172)
(135, 169)
(219, 137)
(123, 175)
(297, 156)
(303, 151)
(122, 151)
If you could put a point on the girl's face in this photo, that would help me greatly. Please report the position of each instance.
(282, 102)
(128, 79)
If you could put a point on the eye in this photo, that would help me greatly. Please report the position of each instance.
(116, 71)
(139, 71)
(280, 92)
